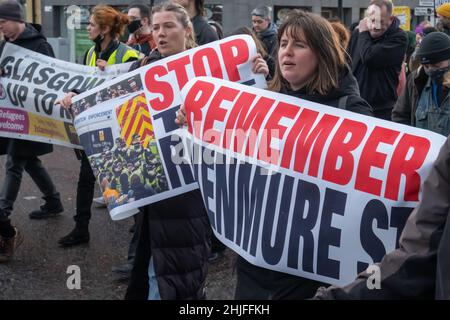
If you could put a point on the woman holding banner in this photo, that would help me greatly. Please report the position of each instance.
(311, 65)
(175, 234)
(105, 27)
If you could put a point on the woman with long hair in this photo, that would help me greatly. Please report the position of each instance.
(311, 65)
(174, 234)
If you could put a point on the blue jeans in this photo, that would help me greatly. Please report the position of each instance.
(153, 289)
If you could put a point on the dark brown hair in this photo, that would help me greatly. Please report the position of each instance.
(323, 41)
(200, 7)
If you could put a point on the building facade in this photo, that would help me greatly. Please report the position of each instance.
(58, 22)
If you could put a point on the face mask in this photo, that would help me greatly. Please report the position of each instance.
(438, 74)
(134, 26)
(98, 40)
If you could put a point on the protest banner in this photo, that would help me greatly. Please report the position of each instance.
(127, 125)
(29, 87)
(299, 187)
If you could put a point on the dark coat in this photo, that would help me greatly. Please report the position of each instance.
(406, 106)
(419, 268)
(377, 64)
(204, 33)
(176, 232)
(34, 40)
(348, 89)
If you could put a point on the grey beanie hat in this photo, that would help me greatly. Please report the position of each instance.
(11, 10)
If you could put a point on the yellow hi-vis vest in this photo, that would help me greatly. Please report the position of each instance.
(120, 55)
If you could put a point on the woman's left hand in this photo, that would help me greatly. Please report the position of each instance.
(101, 64)
(259, 65)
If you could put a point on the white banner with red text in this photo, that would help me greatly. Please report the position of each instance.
(299, 187)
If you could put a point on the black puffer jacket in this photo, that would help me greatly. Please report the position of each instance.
(34, 40)
(176, 232)
(377, 64)
(204, 33)
(348, 92)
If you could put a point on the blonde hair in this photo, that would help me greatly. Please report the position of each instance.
(182, 17)
(323, 41)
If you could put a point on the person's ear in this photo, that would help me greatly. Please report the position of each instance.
(188, 31)
(106, 30)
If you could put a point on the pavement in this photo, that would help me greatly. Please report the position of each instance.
(40, 267)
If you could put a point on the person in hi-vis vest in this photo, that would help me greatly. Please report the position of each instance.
(105, 27)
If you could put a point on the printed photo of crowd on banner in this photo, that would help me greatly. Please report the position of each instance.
(127, 86)
(137, 171)
(128, 167)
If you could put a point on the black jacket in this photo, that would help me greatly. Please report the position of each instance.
(204, 33)
(348, 90)
(34, 40)
(377, 64)
(176, 232)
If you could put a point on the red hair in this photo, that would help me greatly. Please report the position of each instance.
(107, 16)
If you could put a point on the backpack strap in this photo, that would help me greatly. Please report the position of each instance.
(342, 103)
(121, 51)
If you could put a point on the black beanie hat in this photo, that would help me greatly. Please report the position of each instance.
(434, 48)
(11, 10)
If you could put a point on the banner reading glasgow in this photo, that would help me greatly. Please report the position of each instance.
(30, 85)
(299, 187)
(127, 125)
